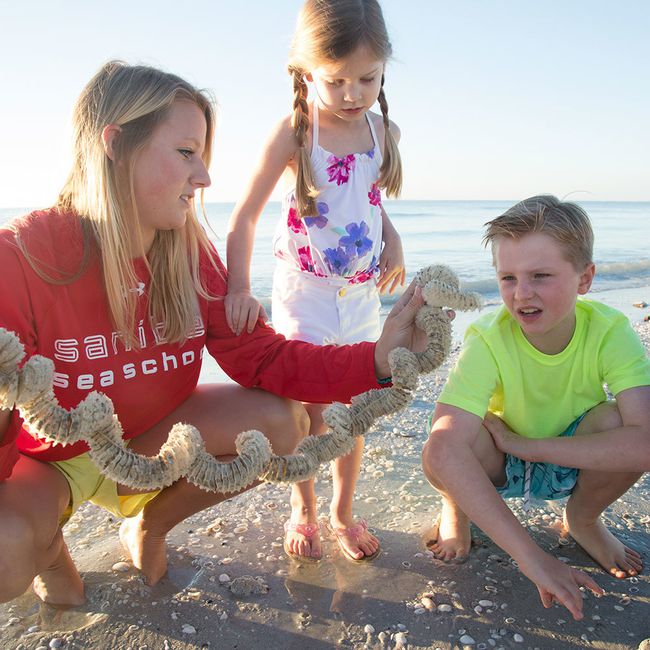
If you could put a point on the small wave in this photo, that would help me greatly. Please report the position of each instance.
(413, 215)
(624, 269)
(484, 286)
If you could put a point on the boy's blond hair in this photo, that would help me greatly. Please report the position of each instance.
(565, 222)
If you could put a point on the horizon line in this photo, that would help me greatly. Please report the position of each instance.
(472, 200)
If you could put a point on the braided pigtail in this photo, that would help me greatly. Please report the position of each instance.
(306, 191)
(390, 173)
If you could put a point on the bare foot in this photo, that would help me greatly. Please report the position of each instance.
(147, 550)
(354, 538)
(302, 537)
(60, 584)
(598, 542)
(451, 536)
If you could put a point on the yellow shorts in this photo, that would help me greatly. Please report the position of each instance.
(87, 484)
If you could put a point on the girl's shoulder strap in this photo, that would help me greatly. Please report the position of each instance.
(375, 140)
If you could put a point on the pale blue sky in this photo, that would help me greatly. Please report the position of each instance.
(496, 99)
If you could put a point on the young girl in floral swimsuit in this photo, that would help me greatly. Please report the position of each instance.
(335, 157)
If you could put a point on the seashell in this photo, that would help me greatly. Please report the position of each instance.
(428, 603)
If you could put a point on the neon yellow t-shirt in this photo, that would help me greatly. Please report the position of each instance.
(538, 395)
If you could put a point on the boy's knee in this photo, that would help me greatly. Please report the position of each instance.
(17, 555)
(434, 452)
(428, 453)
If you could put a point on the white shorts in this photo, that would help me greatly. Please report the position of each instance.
(325, 311)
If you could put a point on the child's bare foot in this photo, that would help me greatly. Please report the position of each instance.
(598, 542)
(451, 536)
(354, 538)
(60, 584)
(148, 550)
(302, 536)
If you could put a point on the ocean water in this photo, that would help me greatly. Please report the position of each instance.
(450, 232)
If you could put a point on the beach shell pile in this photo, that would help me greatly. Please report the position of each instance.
(183, 454)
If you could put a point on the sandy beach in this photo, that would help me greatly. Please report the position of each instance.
(404, 598)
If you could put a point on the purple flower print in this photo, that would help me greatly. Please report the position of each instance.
(339, 169)
(363, 276)
(295, 222)
(336, 259)
(321, 220)
(374, 195)
(356, 243)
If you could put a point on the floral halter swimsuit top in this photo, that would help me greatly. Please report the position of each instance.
(344, 241)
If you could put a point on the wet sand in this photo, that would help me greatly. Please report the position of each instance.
(404, 598)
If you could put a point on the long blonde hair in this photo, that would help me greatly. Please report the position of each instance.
(328, 30)
(101, 192)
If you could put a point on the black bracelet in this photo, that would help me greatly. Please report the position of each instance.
(385, 380)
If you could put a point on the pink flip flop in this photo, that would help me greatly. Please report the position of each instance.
(308, 531)
(352, 534)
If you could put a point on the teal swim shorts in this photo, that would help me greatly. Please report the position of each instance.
(547, 481)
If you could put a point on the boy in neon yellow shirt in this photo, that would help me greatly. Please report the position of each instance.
(537, 367)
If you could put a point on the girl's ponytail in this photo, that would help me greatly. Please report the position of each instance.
(390, 173)
(306, 190)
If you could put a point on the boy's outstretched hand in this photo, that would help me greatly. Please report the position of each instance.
(558, 582)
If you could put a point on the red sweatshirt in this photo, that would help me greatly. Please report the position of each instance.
(70, 324)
